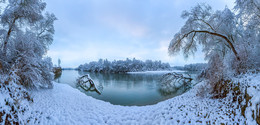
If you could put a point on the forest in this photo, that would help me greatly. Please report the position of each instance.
(192, 67)
(123, 66)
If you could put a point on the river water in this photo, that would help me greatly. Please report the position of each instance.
(123, 89)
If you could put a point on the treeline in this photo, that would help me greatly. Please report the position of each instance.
(123, 66)
(192, 67)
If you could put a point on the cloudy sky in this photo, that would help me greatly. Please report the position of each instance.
(87, 30)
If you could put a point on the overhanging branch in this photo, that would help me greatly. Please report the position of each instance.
(214, 34)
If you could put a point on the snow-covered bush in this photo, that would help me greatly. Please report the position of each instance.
(14, 102)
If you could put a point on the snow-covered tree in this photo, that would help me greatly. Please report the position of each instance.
(249, 12)
(214, 30)
(229, 39)
(249, 26)
(25, 36)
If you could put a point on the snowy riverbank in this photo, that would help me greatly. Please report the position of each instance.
(66, 105)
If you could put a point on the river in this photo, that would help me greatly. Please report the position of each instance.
(123, 89)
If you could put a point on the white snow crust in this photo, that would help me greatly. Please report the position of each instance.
(66, 105)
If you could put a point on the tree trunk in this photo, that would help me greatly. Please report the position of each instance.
(8, 36)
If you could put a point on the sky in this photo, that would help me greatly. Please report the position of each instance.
(87, 30)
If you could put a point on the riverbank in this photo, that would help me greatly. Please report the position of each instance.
(66, 105)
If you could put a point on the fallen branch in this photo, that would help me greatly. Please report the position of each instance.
(86, 83)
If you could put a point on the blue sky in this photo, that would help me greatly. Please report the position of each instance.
(87, 30)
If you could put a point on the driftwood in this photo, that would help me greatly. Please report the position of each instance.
(86, 83)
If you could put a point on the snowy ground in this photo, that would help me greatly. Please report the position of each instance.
(66, 105)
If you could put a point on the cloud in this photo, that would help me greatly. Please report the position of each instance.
(178, 60)
(124, 25)
(87, 30)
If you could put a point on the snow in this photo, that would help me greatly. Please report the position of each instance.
(3, 96)
(66, 105)
(252, 82)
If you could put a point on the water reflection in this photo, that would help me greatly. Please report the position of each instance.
(123, 89)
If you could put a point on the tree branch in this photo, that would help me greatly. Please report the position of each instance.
(207, 24)
(255, 5)
(214, 34)
(192, 40)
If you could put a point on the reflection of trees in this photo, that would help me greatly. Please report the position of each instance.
(124, 80)
(175, 83)
(174, 91)
(134, 81)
